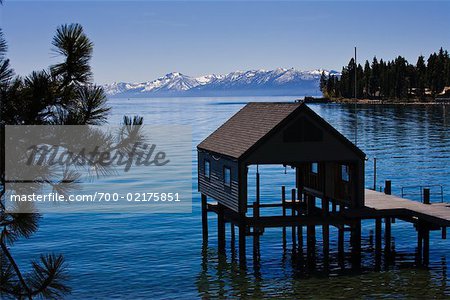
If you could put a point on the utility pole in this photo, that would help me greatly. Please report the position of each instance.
(356, 112)
(356, 67)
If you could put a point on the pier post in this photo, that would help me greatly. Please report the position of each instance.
(299, 184)
(242, 246)
(221, 228)
(256, 252)
(283, 202)
(356, 244)
(378, 243)
(311, 244)
(444, 233)
(233, 240)
(426, 196)
(326, 230)
(423, 243)
(374, 173)
(300, 238)
(426, 246)
(419, 245)
(387, 234)
(293, 203)
(204, 218)
(256, 232)
(341, 243)
(387, 187)
(310, 229)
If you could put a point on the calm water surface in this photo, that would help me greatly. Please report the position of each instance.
(160, 255)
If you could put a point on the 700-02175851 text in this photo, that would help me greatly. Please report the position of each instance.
(99, 197)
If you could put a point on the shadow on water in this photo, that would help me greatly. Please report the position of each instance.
(295, 275)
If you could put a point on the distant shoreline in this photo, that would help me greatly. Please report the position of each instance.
(387, 102)
(374, 102)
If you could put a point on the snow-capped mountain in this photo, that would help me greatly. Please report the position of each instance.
(240, 83)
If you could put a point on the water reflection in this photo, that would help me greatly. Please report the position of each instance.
(395, 275)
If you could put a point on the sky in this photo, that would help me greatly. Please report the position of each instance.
(136, 41)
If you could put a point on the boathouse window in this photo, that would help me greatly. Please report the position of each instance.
(315, 168)
(227, 176)
(207, 169)
(345, 173)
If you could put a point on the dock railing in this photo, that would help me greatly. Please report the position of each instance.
(437, 190)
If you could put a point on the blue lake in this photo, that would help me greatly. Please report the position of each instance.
(160, 255)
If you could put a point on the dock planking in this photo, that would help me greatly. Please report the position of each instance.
(378, 204)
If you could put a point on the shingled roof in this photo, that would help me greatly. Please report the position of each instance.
(251, 124)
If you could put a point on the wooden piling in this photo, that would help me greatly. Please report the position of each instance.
(293, 206)
(242, 245)
(299, 213)
(221, 228)
(341, 242)
(233, 240)
(256, 232)
(310, 229)
(356, 244)
(326, 229)
(256, 252)
(387, 187)
(204, 218)
(311, 242)
(419, 244)
(374, 173)
(378, 233)
(426, 246)
(387, 234)
(256, 204)
(283, 202)
(300, 238)
(426, 196)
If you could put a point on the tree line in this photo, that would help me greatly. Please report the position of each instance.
(395, 79)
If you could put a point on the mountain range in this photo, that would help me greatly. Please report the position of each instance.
(278, 82)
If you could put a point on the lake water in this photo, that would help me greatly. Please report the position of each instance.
(160, 255)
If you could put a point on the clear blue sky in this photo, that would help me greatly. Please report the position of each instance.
(142, 40)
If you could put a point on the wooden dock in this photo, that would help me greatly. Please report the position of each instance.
(379, 204)
(381, 207)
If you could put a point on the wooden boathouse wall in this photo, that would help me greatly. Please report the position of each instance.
(328, 181)
(213, 185)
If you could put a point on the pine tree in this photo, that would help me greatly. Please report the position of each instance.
(329, 87)
(366, 80)
(323, 84)
(421, 74)
(359, 82)
(374, 79)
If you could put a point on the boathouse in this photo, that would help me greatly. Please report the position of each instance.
(329, 181)
(327, 164)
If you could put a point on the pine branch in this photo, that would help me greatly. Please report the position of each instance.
(14, 265)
